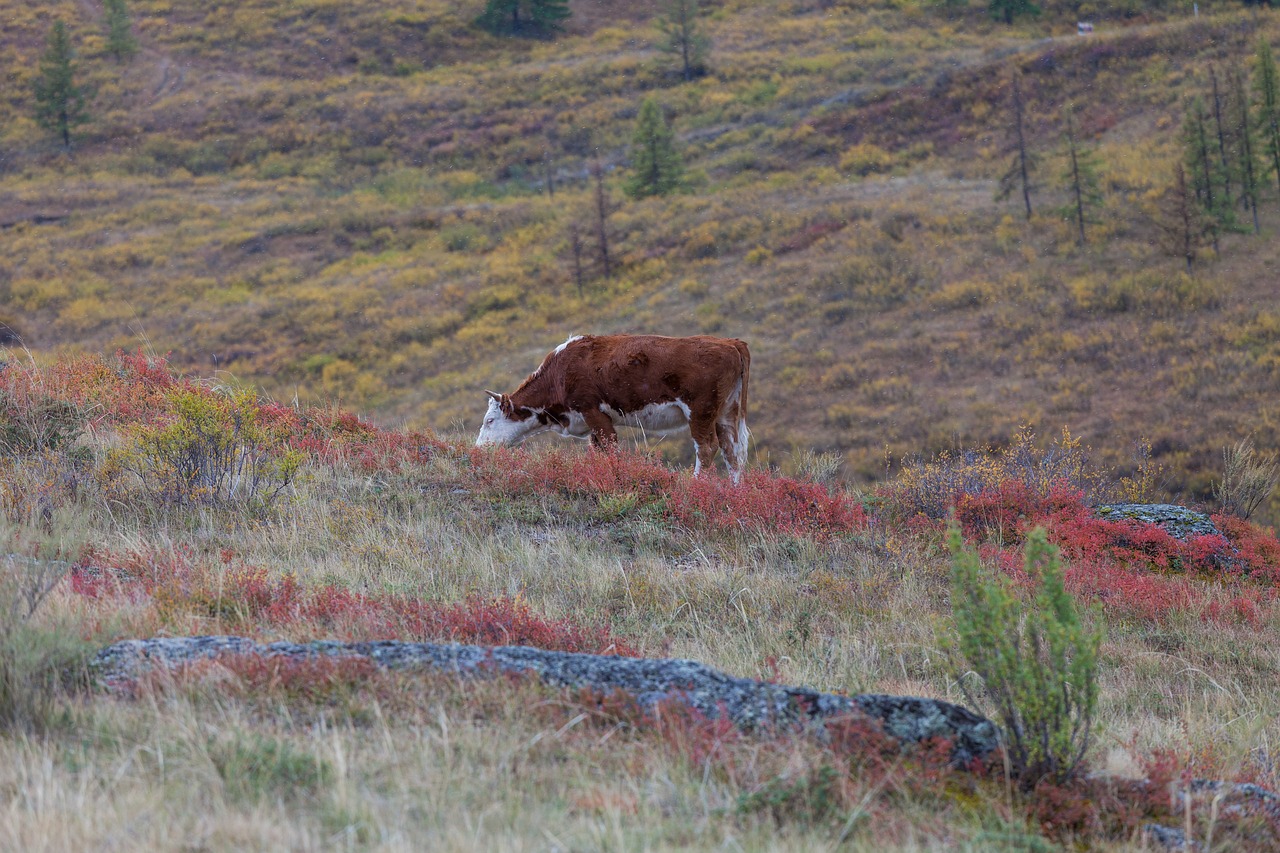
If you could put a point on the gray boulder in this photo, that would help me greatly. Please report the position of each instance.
(1178, 521)
(748, 702)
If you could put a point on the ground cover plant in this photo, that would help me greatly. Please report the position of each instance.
(380, 534)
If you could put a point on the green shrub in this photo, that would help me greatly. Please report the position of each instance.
(1038, 665)
(255, 768)
(215, 449)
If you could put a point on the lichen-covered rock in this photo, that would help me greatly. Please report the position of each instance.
(1178, 521)
(748, 702)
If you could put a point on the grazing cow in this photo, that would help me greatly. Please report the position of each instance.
(589, 385)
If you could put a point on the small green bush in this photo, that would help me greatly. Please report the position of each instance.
(1038, 665)
(214, 449)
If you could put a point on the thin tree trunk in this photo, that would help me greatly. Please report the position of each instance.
(1022, 141)
(575, 243)
(1222, 137)
(1075, 180)
(602, 214)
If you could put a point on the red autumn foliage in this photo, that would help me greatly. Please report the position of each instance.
(1133, 568)
(246, 598)
(760, 502)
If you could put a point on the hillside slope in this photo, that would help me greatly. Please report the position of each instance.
(350, 201)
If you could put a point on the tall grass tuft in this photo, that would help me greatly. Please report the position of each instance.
(1248, 479)
(36, 663)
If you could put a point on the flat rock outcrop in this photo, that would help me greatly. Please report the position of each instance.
(1178, 521)
(748, 702)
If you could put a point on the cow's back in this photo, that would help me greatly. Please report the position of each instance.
(631, 371)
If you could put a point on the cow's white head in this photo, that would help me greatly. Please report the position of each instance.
(505, 423)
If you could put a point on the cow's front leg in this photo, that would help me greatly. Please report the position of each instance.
(603, 435)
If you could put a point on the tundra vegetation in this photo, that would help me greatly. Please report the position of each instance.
(1123, 663)
(391, 207)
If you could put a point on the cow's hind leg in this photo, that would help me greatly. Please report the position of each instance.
(733, 441)
(705, 445)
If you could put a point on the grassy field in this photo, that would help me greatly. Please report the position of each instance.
(322, 207)
(349, 202)
(348, 531)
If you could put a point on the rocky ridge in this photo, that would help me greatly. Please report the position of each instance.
(748, 702)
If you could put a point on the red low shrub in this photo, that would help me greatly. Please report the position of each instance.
(246, 598)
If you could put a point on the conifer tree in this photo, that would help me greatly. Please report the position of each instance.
(1223, 133)
(603, 208)
(1245, 150)
(1205, 176)
(655, 165)
(59, 101)
(1266, 84)
(1183, 223)
(1019, 173)
(524, 17)
(683, 36)
(120, 41)
(1007, 10)
(1081, 177)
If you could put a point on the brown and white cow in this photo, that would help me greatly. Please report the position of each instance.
(591, 384)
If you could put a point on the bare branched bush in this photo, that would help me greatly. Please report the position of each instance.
(931, 487)
(814, 465)
(1248, 479)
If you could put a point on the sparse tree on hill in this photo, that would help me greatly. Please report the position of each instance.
(603, 209)
(120, 41)
(575, 246)
(1007, 10)
(655, 165)
(1184, 227)
(1220, 125)
(1019, 173)
(524, 17)
(59, 101)
(1081, 177)
(1206, 178)
(1246, 142)
(683, 36)
(1266, 85)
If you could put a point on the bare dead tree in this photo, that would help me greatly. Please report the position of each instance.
(1020, 169)
(602, 219)
(575, 245)
(1184, 227)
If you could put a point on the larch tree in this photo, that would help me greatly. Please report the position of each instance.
(120, 40)
(60, 103)
(1018, 175)
(1203, 170)
(1007, 10)
(682, 36)
(1184, 226)
(1246, 142)
(603, 209)
(655, 165)
(524, 17)
(1081, 177)
(1266, 87)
